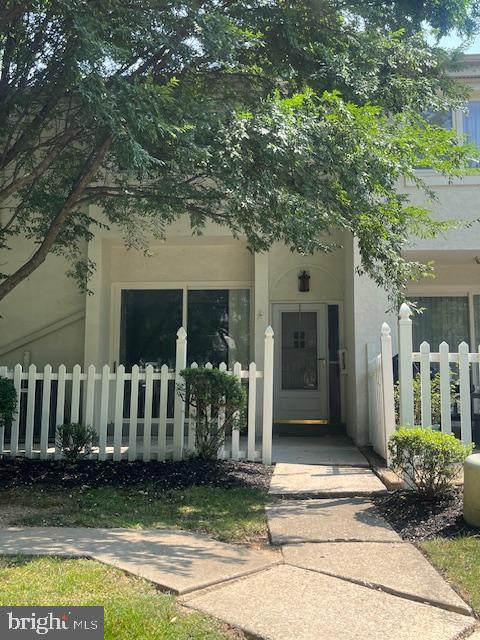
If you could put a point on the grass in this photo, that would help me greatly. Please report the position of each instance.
(133, 607)
(232, 515)
(459, 560)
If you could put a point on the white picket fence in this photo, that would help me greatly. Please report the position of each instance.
(463, 362)
(381, 406)
(102, 399)
(381, 385)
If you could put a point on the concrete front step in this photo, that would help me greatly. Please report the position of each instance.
(398, 568)
(287, 602)
(175, 560)
(332, 520)
(324, 481)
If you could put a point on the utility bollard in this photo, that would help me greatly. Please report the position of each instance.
(471, 490)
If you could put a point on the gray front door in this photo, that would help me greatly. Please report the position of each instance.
(301, 366)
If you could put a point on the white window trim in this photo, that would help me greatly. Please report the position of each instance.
(116, 304)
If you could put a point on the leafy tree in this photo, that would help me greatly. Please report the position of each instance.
(285, 120)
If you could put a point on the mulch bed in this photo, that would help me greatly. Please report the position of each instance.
(19, 472)
(418, 520)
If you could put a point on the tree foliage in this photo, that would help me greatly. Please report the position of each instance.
(8, 402)
(285, 120)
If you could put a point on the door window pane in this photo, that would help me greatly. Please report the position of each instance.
(150, 319)
(445, 318)
(299, 351)
(218, 326)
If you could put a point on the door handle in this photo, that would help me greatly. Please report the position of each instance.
(322, 359)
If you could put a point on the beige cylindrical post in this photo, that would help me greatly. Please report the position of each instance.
(471, 490)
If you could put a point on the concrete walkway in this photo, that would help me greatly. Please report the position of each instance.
(324, 467)
(177, 561)
(335, 570)
(331, 590)
(346, 575)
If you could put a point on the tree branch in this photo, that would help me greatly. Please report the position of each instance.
(91, 167)
(7, 16)
(17, 184)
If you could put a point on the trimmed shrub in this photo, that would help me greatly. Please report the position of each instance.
(212, 394)
(75, 440)
(8, 402)
(429, 460)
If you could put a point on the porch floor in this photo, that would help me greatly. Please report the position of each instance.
(319, 449)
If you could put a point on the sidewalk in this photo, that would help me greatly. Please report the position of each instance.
(321, 590)
(334, 571)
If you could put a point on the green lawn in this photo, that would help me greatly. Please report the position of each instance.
(232, 515)
(133, 607)
(459, 560)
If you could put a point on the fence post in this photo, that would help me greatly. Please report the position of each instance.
(387, 386)
(179, 411)
(464, 382)
(3, 374)
(267, 397)
(405, 349)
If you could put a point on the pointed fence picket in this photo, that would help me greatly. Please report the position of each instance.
(455, 386)
(162, 426)
(445, 385)
(3, 374)
(132, 431)
(127, 409)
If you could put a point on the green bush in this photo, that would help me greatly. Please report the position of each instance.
(8, 402)
(428, 460)
(75, 440)
(417, 398)
(212, 393)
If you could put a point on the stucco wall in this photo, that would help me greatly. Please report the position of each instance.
(326, 276)
(48, 298)
(366, 308)
(188, 262)
(211, 260)
(452, 272)
(460, 203)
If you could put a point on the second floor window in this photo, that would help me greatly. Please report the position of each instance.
(471, 124)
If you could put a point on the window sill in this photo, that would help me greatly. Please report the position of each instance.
(432, 178)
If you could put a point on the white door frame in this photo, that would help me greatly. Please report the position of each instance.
(322, 395)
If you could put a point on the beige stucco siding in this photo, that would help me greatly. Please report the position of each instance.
(204, 261)
(326, 275)
(47, 301)
(459, 203)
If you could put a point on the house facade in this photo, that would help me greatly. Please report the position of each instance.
(324, 314)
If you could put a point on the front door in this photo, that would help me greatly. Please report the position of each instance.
(301, 366)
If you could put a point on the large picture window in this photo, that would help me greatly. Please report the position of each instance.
(218, 326)
(444, 318)
(217, 323)
(150, 319)
(466, 123)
